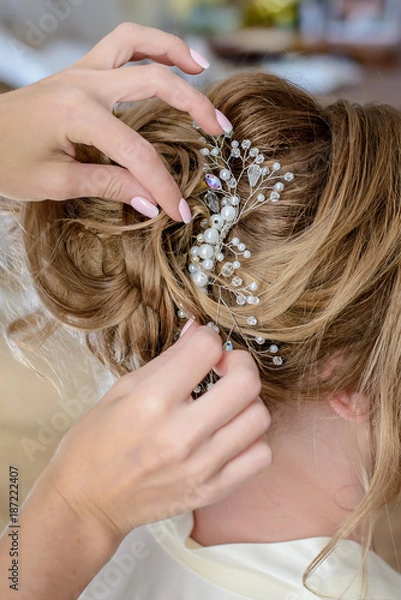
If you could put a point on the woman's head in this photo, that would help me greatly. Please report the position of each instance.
(327, 257)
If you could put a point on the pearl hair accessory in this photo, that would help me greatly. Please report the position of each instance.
(215, 255)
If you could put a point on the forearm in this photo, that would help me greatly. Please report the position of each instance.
(58, 552)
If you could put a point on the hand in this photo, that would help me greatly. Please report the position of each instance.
(147, 451)
(40, 124)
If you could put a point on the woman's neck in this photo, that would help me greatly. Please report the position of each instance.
(309, 490)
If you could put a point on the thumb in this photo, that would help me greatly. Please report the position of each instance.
(113, 183)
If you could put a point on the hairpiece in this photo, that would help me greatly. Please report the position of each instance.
(215, 256)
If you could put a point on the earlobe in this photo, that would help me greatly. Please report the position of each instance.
(352, 406)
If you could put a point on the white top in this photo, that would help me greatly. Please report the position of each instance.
(161, 562)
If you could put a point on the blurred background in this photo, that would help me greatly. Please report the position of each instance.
(347, 48)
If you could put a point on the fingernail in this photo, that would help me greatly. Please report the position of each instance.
(144, 207)
(185, 211)
(223, 122)
(199, 59)
(187, 326)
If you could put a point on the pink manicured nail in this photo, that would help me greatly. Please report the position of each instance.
(185, 211)
(199, 59)
(223, 122)
(187, 326)
(144, 207)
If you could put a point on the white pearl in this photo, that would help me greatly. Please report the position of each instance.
(199, 237)
(236, 264)
(235, 241)
(208, 264)
(206, 251)
(220, 256)
(253, 286)
(276, 166)
(260, 197)
(225, 174)
(241, 247)
(217, 221)
(200, 278)
(235, 200)
(279, 186)
(247, 254)
(211, 235)
(228, 213)
(260, 340)
(193, 268)
(194, 250)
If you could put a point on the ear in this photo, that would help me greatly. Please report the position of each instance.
(352, 406)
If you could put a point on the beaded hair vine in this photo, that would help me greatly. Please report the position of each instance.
(216, 255)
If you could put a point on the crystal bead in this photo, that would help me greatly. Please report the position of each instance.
(254, 172)
(265, 171)
(254, 151)
(235, 200)
(273, 348)
(236, 281)
(241, 247)
(247, 254)
(279, 186)
(274, 197)
(234, 144)
(211, 236)
(241, 300)
(227, 269)
(253, 300)
(206, 251)
(236, 264)
(200, 278)
(259, 159)
(277, 360)
(276, 166)
(246, 144)
(236, 153)
(289, 176)
(212, 202)
(252, 321)
(228, 213)
(228, 346)
(232, 183)
(213, 181)
(225, 174)
(260, 340)
(224, 202)
(260, 197)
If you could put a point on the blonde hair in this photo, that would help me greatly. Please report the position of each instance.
(327, 258)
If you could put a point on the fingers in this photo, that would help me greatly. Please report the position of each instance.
(238, 388)
(124, 146)
(148, 81)
(134, 42)
(174, 374)
(248, 464)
